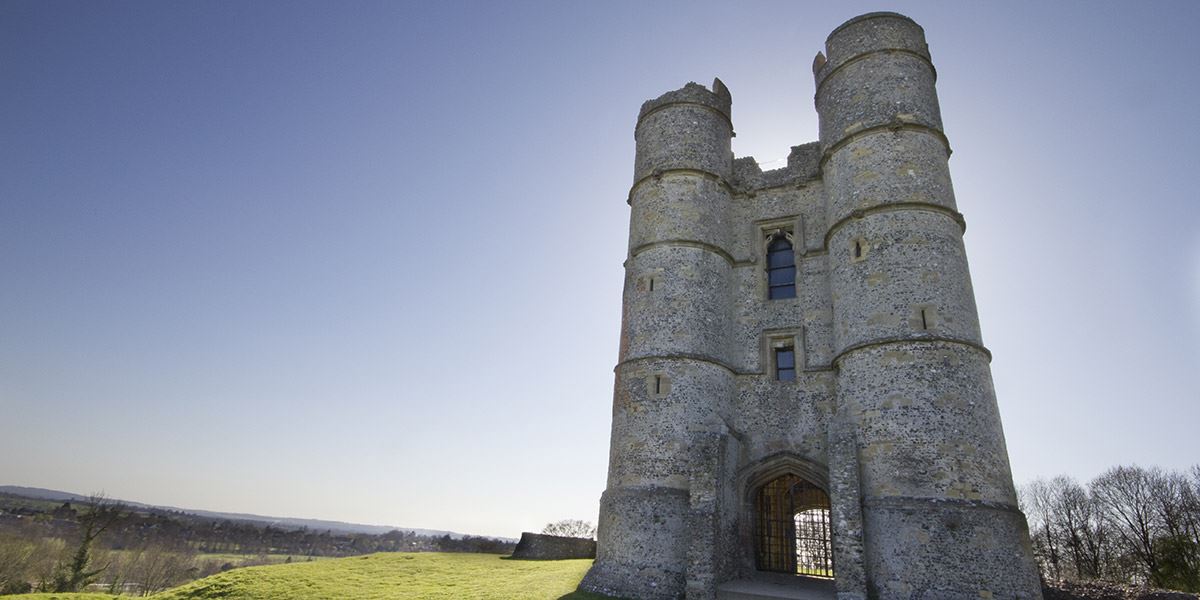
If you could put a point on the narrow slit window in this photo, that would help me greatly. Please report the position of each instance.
(781, 268)
(857, 248)
(658, 384)
(652, 284)
(924, 320)
(785, 363)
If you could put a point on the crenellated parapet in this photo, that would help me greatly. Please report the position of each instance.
(876, 72)
(688, 129)
(803, 167)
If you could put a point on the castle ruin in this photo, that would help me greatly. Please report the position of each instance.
(802, 386)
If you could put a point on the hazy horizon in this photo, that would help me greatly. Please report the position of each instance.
(362, 262)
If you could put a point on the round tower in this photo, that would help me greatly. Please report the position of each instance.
(672, 376)
(914, 384)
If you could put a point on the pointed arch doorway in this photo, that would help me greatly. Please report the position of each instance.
(792, 533)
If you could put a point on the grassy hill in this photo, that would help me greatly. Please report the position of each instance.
(388, 576)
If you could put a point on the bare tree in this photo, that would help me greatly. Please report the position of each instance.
(1125, 494)
(93, 521)
(115, 576)
(46, 563)
(16, 554)
(1177, 548)
(1193, 503)
(1086, 532)
(1130, 525)
(1037, 501)
(158, 567)
(570, 528)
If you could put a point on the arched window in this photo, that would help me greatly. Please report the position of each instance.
(781, 268)
(793, 528)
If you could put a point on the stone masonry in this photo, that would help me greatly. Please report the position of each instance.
(890, 409)
(539, 546)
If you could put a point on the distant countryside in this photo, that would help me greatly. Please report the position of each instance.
(100, 545)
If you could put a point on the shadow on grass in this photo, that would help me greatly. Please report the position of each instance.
(578, 595)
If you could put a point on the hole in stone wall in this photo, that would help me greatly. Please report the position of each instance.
(925, 317)
(859, 250)
(658, 385)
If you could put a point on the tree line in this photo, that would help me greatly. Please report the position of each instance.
(1129, 525)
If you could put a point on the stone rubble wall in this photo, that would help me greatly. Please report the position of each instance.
(1095, 590)
(537, 546)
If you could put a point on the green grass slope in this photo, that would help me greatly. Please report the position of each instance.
(396, 576)
(387, 576)
(64, 596)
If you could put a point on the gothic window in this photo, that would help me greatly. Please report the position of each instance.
(785, 363)
(781, 267)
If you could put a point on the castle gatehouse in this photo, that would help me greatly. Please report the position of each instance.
(803, 395)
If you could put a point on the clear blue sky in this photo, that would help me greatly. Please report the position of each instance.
(362, 261)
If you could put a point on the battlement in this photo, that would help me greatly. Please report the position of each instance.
(872, 32)
(883, 14)
(803, 165)
(718, 98)
(686, 129)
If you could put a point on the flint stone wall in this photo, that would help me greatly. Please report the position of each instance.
(537, 546)
(1095, 590)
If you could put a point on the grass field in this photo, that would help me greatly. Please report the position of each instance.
(239, 560)
(389, 576)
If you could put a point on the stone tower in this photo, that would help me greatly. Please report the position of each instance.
(803, 394)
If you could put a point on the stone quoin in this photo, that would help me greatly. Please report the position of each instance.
(802, 386)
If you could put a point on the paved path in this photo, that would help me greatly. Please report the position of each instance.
(800, 588)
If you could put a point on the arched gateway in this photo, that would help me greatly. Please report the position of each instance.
(792, 533)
